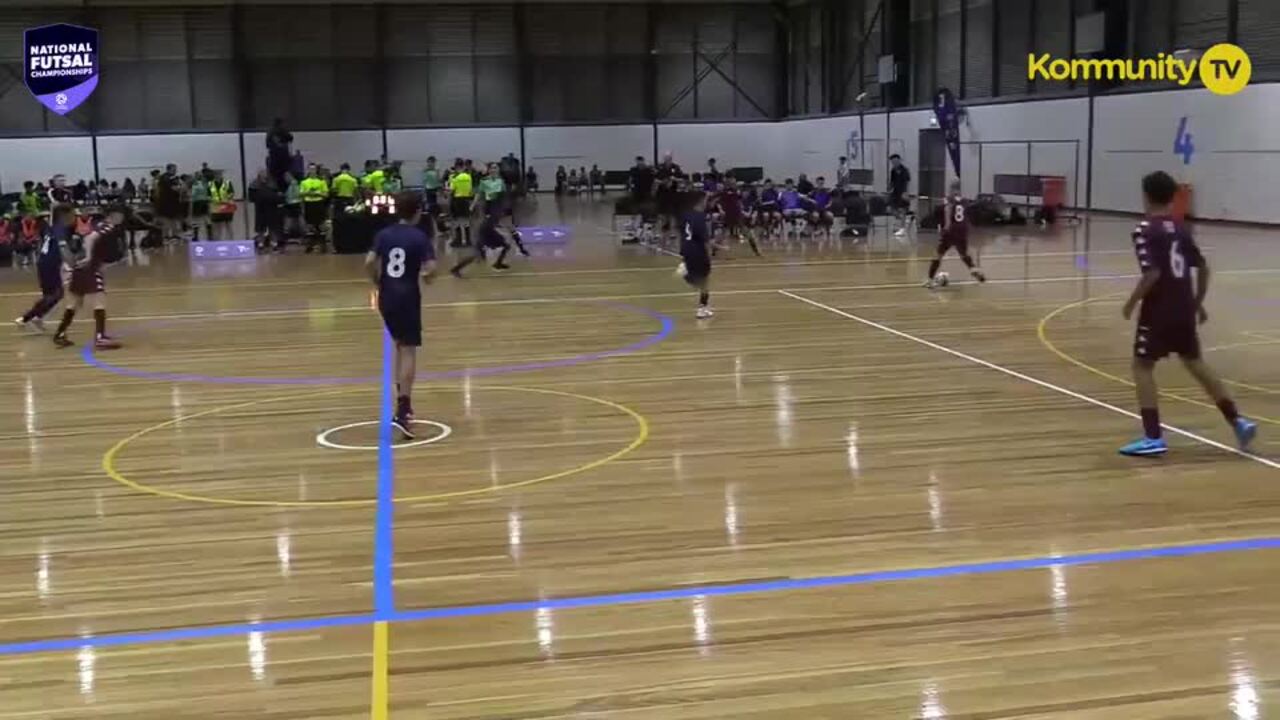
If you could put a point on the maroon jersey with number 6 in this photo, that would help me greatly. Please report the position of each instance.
(1164, 244)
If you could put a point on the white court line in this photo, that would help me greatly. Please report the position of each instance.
(736, 265)
(1027, 378)
(642, 296)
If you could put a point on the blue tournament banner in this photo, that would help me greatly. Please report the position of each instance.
(222, 250)
(60, 65)
(945, 108)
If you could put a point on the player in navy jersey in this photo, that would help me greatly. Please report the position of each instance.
(1171, 310)
(695, 251)
(402, 258)
(101, 246)
(955, 234)
(54, 252)
(820, 212)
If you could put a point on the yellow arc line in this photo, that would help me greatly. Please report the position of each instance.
(109, 458)
(381, 681)
(1043, 335)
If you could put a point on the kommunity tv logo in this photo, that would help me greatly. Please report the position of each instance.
(1223, 69)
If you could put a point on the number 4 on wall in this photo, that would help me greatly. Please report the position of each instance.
(1182, 142)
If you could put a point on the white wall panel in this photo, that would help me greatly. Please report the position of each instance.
(135, 156)
(1236, 159)
(731, 144)
(38, 159)
(612, 147)
(330, 149)
(412, 147)
(1049, 126)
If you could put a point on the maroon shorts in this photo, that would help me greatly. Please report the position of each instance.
(958, 239)
(87, 282)
(1153, 342)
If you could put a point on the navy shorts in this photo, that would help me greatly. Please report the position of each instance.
(697, 267)
(403, 320)
(1153, 342)
(51, 281)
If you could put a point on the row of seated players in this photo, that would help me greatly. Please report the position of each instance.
(739, 208)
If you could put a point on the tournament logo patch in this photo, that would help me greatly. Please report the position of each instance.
(60, 65)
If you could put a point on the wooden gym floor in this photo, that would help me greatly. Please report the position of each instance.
(843, 497)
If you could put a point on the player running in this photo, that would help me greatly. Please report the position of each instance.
(401, 258)
(54, 253)
(695, 252)
(1170, 311)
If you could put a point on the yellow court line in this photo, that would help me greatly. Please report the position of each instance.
(1043, 335)
(109, 458)
(379, 707)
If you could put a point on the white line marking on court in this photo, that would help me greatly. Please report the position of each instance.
(323, 438)
(1026, 378)
(736, 265)
(643, 296)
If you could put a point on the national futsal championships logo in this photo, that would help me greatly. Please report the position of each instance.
(60, 65)
(1223, 69)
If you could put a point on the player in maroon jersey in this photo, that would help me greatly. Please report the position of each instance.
(100, 247)
(955, 234)
(728, 203)
(1171, 309)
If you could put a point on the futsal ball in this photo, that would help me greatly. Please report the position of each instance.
(681, 270)
(943, 279)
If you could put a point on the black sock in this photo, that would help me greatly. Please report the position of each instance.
(67, 316)
(704, 297)
(1151, 423)
(503, 255)
(100, 322)
(933, 267)
(968, 261)
(1228, 408)
(466, 231)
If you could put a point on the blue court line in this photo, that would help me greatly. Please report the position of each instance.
(152, 637)
(384, 603)
(827, 581)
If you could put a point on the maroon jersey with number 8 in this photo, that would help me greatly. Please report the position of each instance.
(956, 222)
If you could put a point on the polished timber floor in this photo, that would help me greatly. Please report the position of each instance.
(845, 496)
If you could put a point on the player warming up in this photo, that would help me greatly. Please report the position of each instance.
(1170, 310)
(695, 251)
(54, 253)
(402, 257)
(101, 246)
(955, 234)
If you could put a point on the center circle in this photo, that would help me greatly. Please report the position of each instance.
(110, 457)
(323, 440)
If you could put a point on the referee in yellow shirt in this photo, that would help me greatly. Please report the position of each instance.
(462, 194)
(315, 206)
(344, 189)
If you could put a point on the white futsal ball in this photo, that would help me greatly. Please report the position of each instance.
(943, 279)
(681, 270)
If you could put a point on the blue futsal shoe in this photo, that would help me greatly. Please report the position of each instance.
(1246, 430)
(1145, 447)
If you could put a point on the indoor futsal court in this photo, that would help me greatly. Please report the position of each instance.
(844, 496)
(699, 427)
